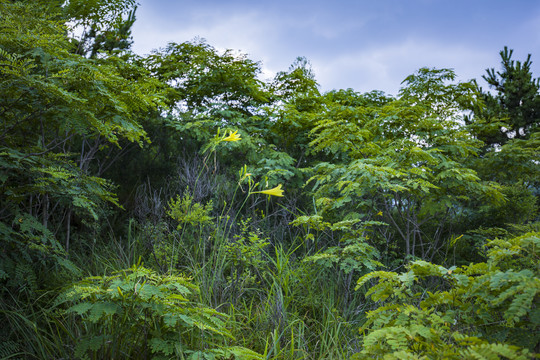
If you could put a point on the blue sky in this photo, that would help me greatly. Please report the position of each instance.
(364, 45)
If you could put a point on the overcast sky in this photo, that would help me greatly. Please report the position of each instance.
(364, 45)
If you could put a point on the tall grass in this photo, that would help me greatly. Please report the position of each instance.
(30, 330)
(277, 304)
(290, 310)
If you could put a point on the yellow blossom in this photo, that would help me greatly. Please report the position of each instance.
(379, 213)
(274, 192)
(233, 136)
(245, 176)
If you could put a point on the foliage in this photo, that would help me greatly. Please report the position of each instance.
(53, 101)
(58, 111)
(512, 111)
(136, 312)
(353, 252)
(247, 248)
(185, 211)
(403, 158)
(101, 24)
(107, 157)
(484, 309)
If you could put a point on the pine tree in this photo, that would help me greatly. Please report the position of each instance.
(515, 104)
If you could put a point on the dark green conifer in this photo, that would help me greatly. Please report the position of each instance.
(515, 101)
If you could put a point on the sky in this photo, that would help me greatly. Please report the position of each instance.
(363, 45)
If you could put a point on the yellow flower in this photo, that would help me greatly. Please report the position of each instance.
(233, 136)
(245, 176)
(379, 213)
(274, 192)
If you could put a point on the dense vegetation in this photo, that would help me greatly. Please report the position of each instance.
(176, 206)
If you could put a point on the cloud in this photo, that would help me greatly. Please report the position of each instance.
(361, 45)
(250, 32)
(234, 32)
(273, 41)
(384, 67)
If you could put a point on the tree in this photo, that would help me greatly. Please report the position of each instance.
(105, 26)
(402, 159)
(209, 90)
(507, 122)
(212, 91)
(58, 111)
(513, 111)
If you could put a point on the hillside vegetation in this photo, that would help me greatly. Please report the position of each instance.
(176, 206)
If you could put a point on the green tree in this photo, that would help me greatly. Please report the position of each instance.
(58, 111)
(507, 121)
(513, 110)
(105, 26)
(401, 159)
(209, 90)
